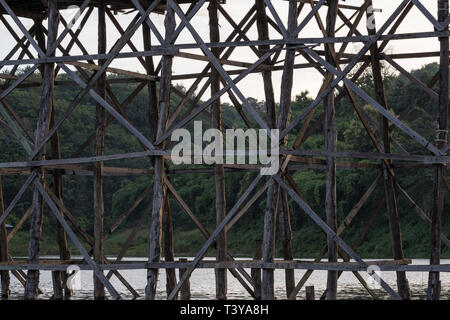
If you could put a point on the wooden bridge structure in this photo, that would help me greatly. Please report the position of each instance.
(272, 31)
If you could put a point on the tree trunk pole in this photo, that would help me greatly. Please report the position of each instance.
(219, 174)
(274, 189)
(158, 187)
(256, 272)
(100, 118)
(330, 145)
(286, 240)
(171, 276)
(263, 34)
(60, 289)
(4, 253)
(434, 283)
(32, 283)
(185, 291)
(151, 85)
(389, 189)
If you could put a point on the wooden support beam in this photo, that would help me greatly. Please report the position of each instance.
(4, 253)
(60, 289)
(32, 284)
(219, 174)
(256, 273)
(201, 254)
(330, 134)
(100, 118)
(388, 177)
(272, 203)
(185, 291)
(159, 190)
(167, 228)
(206, 234)
(434, 283)
(64, 212)
(384, 265)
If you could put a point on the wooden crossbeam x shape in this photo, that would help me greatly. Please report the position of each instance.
(349, 67)
(87, 88)
(201, 254)
(386, 113)
(307, 209)
(219, 67)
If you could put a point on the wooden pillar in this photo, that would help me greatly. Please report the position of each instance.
(100, 119)
(286, 240)
(263, 34)
(310, 293)
(185, 291)
(32, 283)
(60, 289)
(171, 277)
(158, 186)
(4, 253)
(151, 85)
(256, 272)
(330, 145)
(274, 189)
(434, 283)
(267, 290)
(219, 174)
(388, 179)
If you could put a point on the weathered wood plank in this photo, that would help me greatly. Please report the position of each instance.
(159, 189)
(434, 283)
(4, 253)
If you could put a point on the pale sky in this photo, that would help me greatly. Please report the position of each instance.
(304, 79)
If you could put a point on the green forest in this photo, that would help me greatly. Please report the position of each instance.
(199, 192)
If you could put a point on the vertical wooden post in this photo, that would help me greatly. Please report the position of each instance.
(434, 283)
(185, 291)
(158, 186)
(256, 272)
(274, 189)
(219, 175)
(263, 34)
(151, 85)
(389, 189)
(60, 289)
(100, 119)
(266, 290)
(286, 240)
(32, 283)
(310, 293)
(171, 277)
(4, 253)
(330, 145)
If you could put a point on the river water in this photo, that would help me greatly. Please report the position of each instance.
(203, 284)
